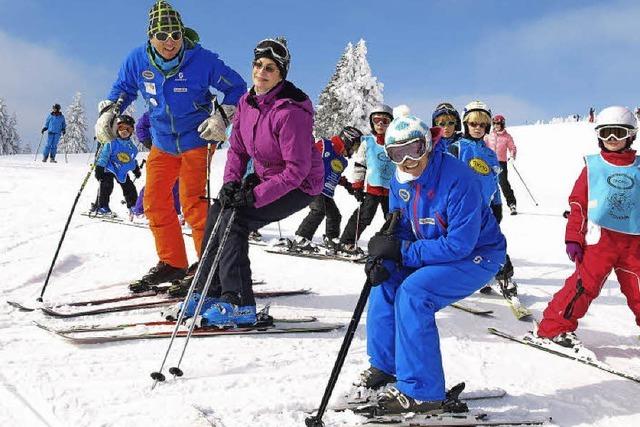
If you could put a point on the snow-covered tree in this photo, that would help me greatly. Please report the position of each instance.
(75, 138)
(350, 94)
(330, 109)
(9, 138)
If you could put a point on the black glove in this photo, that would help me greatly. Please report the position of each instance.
(250, 181)
(243, 198)
(99, 173)
(358, 193)
(227, 193)
(375, 271)
(346, 184)
(386, 247)
(43, 130)
(137, 172)
(146, 143)
(64, 131)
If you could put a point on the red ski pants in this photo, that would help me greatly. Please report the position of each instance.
(163, 170)
(615, 251)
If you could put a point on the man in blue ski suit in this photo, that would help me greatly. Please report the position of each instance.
(55, 126)
(174, 74)
(446, 246)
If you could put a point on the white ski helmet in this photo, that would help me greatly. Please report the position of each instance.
(380, 109)
(476, 106)
(616, 116)
(405, 128)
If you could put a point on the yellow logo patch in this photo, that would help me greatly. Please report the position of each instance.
(123, 157)
(480, 166)
(336, 165)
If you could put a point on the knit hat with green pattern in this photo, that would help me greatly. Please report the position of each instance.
(163, 17)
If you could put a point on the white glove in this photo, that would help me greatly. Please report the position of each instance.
(105, 128)
(214, 128)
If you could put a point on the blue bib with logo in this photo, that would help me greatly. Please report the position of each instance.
(380, 168)
(614, 194)
(334, 165)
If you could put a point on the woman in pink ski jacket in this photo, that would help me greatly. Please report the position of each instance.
(500, 141)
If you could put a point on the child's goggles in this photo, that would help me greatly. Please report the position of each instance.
(412, 149)
(618, 133)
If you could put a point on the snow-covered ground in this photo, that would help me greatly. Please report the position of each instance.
(273, 380)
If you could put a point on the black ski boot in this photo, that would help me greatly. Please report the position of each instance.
(374, 378)
(393, 401)
(161, 273)
(180, 288)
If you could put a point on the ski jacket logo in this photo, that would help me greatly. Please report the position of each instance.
(426, 221)
(621, 181)
(404, 194)
(148, 74)
(479, 165)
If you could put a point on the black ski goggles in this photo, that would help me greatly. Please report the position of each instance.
(274, 47)
(163, 36)
(412, 149)
(618, 133)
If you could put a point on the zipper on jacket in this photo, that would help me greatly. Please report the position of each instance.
(568, 312)
(414, 210)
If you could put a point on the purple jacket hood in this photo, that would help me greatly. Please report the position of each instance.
(276, 131)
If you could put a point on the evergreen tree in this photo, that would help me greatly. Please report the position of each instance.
(75, 138)
(350, 95)
(330, 109)
(9, 138)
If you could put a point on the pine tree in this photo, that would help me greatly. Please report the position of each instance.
(330, 109)
(350, 95)
(9, 138)
(75, 138)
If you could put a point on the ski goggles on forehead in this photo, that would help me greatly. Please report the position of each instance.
(616, 132)
(164, 36)
(274, 47)
(412, 149)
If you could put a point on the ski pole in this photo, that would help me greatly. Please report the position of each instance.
(38, 149)
(316, 421)
(73, 208)
(175, 370)
(158, 375)
(524, 183)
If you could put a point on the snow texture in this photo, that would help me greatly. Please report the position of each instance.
(271, 381)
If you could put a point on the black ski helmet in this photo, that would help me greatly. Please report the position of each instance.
(56, 107)
(350, 136)
(126, 119)
(445, 108)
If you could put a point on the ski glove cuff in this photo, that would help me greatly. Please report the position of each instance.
(386, 247)
(227, 193)
(43, 130)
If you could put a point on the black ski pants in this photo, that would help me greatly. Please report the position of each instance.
(505, 272)
(503, 179)
(321, 207)
(362, 217)
(232, 278)
(106, 188)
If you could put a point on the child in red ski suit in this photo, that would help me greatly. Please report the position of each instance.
(603, 229)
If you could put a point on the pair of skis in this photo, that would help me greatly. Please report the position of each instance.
(326, 255)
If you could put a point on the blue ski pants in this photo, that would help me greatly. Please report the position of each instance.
(402, 335)
(52, 145)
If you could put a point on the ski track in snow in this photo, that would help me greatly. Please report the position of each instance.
(271, 381)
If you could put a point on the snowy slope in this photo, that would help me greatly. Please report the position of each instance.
(271, 381)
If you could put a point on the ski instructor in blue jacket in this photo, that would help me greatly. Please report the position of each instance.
(446, 245)
(55, 125)
(174, 75)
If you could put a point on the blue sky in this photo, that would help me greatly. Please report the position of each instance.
(529, 60)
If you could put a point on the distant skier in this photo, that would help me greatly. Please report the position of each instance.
(372, 173)
(335, 152)
(501, 142)
(116, 159)
(472, 150)
(592, 114)
(446, 246)
(55, 126)
(603, 228)
(448, 118)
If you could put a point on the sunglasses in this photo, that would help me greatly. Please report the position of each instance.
(163, 35)
(412, 149)
(444, 124)
(476, 124)
(269, 68)
(498, 123)
(618, 133)
(274, 47)
(381, 120)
